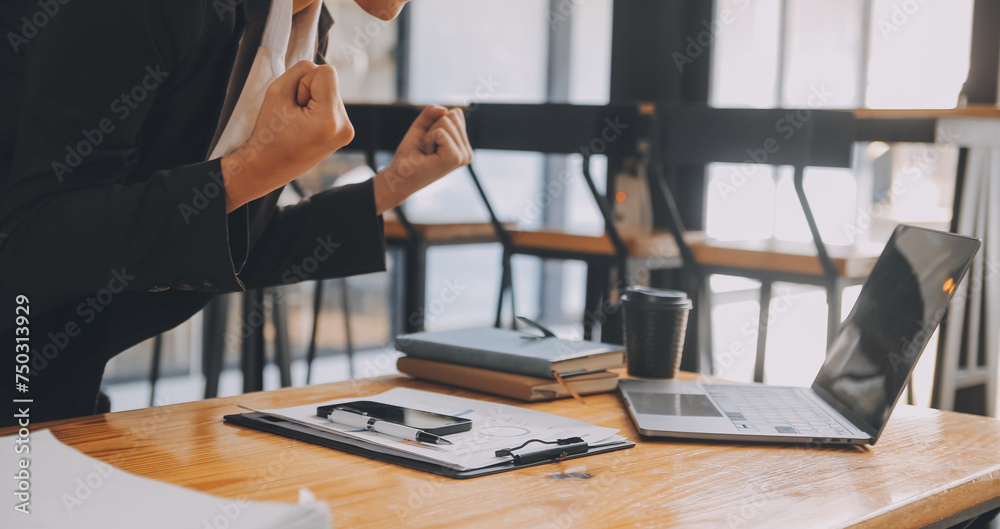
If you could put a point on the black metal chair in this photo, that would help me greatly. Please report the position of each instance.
(698, 135)
(574, 129)
(380, 128)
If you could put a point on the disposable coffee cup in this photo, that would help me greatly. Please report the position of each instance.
(655, 325)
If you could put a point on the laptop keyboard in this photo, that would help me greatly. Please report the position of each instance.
(768, 409)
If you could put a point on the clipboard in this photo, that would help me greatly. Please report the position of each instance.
(275, 425)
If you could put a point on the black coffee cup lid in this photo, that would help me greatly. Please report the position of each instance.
(656, 296)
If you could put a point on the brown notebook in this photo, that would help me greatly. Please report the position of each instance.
(506, 384)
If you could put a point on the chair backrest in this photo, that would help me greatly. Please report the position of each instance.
(699, 134)
(558, 128)
(693, 134)
(543, 128)
(553, 128)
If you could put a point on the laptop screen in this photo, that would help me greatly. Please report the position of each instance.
(899, 308)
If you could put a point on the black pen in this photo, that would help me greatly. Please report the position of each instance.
(374, 424)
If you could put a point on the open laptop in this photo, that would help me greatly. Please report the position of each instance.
(866, 367)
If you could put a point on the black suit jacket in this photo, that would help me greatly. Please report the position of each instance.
(112, 222)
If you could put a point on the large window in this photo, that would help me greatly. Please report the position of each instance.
(874, 53)
(504, 57)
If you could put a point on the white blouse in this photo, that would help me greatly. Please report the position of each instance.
(288, 38)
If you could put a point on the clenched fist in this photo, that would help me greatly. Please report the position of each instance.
(435, 145)
(301, 122)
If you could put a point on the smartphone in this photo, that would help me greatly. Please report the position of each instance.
(429, 422)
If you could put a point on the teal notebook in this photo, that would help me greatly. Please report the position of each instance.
(512, 351)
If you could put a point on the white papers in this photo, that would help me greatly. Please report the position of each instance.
(70, 489)
(494, 426)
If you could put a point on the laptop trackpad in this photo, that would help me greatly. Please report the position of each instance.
(683, 405)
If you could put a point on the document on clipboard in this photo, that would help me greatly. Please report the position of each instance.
(502, 437)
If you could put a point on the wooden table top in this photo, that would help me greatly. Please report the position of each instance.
(782, 256)
(972, 111)
(444, 233)
(654, 244)
(927, 466)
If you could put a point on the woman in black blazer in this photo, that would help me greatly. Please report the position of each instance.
(114, 224)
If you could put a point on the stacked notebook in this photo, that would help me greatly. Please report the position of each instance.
(515, 364)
